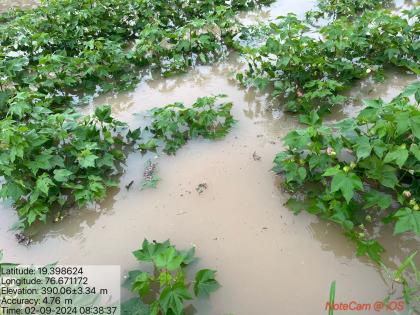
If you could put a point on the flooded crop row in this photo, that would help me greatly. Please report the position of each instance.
(269, 261)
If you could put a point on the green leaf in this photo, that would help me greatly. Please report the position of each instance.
(302, 173)
(188, 257)
(402, 120)
(332, 171)
(407, 220)
(149, 251)
(371, 248)
(62, 175)
(363, 147)
(172, 298)
(142, 284)
(347, 183)
(376, 169)
(311, 119)
(205, 282)
(415, 149)
(42, 161)
(11, 190)
(415, 125)
(203, 58)
(399, 156)
(165, 278)
(297, 139)
(169, 259)
(149, 145)
(43, 183)
(87, 159)
(411, 89)
(404, 265)
(379, 147)
(332, 298)
(376, 198)
(295, 205)
(103, 113)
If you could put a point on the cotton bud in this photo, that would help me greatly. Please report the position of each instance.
(299, 93)
(346, 169)
(406, 194)
(330, 151)
(353, 165)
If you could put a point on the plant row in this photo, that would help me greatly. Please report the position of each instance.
(366, 168)
(63, 52)
(359, 172)
(308, 68)
(54, 161)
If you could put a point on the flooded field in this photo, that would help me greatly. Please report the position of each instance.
(269, 261)
(6, 4)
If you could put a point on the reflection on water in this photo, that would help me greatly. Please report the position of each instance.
(269, 261)
(395, 81)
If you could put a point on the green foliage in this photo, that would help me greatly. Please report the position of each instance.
(364, 168)
(56, 160)
(59, 54)
(168, 284)
(51, 161)
(308, 72)
(346, 8)
(331, 299)
(173, 125)
(61, 46)
(407, 276)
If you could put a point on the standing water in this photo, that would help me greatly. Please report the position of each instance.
(269, 261)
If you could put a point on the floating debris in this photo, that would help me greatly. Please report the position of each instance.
(58, 218)
(129, 185)
(255, 156)
(201, 188)
(150, 178)
(23, 239)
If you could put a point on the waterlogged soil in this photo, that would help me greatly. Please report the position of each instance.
(269, 261)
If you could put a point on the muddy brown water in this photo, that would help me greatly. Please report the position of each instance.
(269, 261)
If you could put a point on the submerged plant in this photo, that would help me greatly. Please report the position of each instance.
(346, 8)
(173, 125)
(407, 279)
(364, 169)
(309, 73)
(53, 161)
(167, 286)
(59, 54)
(65, 46)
